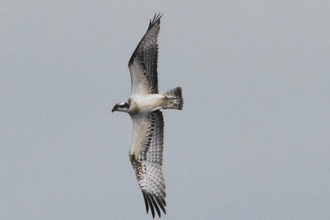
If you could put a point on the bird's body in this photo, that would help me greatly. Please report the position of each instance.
(144, 106)
(148, 103)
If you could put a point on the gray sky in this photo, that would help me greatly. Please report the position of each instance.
(253, 140)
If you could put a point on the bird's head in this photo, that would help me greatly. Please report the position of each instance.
(121, 107)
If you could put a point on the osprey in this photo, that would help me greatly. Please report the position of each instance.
(144, 106)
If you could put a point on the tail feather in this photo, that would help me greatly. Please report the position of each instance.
(174, 99)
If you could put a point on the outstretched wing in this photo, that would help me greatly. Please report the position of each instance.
(143, 63)
(146, 156)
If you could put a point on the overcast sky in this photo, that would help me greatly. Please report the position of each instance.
(253, 139)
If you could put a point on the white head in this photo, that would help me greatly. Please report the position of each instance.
(121, 107)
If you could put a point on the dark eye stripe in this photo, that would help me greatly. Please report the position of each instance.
(124, 105)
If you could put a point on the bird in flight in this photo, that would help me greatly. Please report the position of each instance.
(144, 106)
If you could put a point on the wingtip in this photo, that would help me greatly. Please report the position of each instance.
(157, 16)
(154, 204)
(156, 19)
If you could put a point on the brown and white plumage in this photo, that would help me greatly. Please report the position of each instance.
(146, 156)
(144, 106)
(143, 63)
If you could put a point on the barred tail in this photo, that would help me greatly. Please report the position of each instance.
(174, 99)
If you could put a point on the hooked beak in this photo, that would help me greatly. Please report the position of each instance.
(115, 108)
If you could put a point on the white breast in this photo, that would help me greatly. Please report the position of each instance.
(149, 103)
